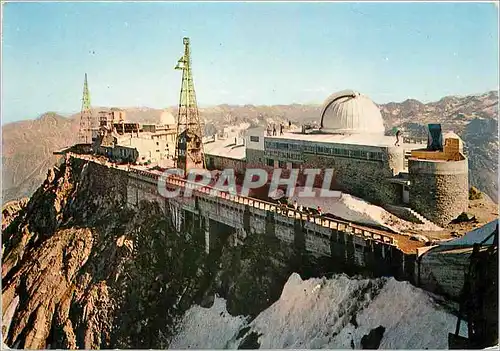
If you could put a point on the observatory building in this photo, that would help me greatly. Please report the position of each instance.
(429, 177)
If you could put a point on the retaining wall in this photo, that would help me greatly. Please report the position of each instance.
(363, 178)
(367, 249)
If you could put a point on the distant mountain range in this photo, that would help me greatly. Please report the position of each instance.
(28, 145)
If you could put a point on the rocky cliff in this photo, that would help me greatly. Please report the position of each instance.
(81, 270)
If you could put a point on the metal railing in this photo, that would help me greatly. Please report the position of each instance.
(288, 212)
(348, 227)
(415, 140)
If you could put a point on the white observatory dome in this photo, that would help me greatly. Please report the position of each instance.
(167, 118)
(349, 112)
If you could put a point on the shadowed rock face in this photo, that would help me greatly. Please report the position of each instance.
(81, 270)
(10, 211)
(371, 341)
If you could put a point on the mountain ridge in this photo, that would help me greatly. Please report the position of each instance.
(72, 115)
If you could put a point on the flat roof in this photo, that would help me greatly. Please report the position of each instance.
(352, 139)
(225, 148)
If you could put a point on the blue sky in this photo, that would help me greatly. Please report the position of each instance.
(242, 53)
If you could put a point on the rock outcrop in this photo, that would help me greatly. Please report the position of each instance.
(82, 270)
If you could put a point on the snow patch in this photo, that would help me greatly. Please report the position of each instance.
(207, 328)
(328, 313)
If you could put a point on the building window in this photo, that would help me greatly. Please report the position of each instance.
(270, 145)
(270, 162)
(254, 138)
(281, 164)
(310, 148)
(323, 150)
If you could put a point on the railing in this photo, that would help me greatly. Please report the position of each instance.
(415, 140)
(268, 206)
(258, 204)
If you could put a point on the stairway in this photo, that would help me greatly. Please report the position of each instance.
(410, 215)
(421, 218)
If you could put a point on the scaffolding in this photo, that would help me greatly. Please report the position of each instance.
(479, 299)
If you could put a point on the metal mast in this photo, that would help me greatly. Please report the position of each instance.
(189, 149)
(85, 132)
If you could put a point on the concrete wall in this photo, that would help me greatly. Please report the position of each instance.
(167, 140)
(439, 190)
(138, 190)
(339, 242)
(124, 153)
(148, 148)
(442, 270)
(255, 133)
(362, 178)
(255, 157)
(396, 159)
(218, 162)
(306, 237)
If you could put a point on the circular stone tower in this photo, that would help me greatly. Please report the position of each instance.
(439, 181)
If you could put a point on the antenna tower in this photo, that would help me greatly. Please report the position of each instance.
(189, 146)
(85, 132)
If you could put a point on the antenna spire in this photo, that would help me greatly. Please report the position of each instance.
(85, 132)
(189, 149)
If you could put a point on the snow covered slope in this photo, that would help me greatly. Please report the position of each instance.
(354, 209)
(327, 313)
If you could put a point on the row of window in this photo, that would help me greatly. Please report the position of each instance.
(368, 155)
(282, 146)
(319, 149)
(254, 138)
(284, 154)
